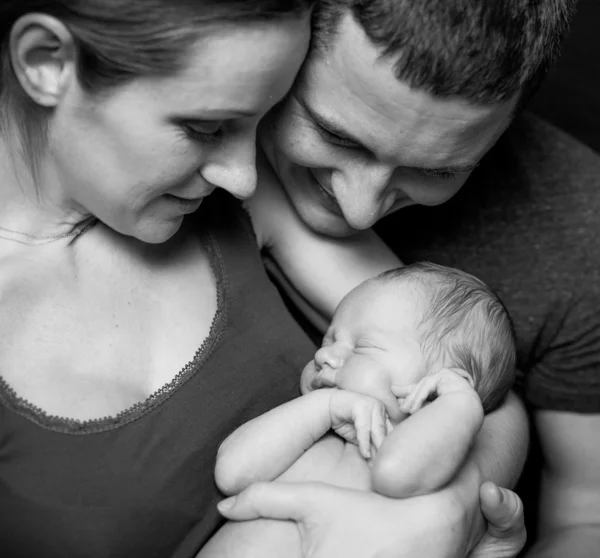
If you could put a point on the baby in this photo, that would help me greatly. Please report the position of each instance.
(411, 362)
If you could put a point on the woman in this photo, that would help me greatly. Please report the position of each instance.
(119, 118)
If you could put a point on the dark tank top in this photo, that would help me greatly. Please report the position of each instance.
(141, 484)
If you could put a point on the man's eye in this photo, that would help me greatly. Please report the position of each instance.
(334, 138)
(439, 175)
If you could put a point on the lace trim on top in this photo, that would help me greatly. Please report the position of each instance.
(74, 426)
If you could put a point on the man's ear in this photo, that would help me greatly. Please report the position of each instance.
(42, 53)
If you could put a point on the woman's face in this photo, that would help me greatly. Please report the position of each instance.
(142, 157)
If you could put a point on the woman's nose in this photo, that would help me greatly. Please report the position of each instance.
(232, 166)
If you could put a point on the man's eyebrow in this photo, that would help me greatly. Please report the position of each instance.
(324, 122)
(336, 129)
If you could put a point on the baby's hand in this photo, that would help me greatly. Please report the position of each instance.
(359, 419)
(448, 380)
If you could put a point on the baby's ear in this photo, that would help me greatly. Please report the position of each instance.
(464, 374)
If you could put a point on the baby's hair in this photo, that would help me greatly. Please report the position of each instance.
(465, 325)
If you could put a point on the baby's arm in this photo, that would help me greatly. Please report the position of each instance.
(265, 447)
(425, 451)
(316, 271)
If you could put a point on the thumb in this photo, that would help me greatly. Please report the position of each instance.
(277, 500)
(503, 510)
(506, 534)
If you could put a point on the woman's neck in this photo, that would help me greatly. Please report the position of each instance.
(31, 203)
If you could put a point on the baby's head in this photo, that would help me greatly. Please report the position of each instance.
(413, 321)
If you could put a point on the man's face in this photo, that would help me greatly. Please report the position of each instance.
(352, 144)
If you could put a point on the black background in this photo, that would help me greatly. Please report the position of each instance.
(570, 97)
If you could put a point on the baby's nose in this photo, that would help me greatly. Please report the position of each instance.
(328, 356)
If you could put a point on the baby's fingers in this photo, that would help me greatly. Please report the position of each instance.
(362, 424)
(402, 391)
(418, 395)
(378, 425)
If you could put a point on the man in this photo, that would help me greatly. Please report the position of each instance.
(397, 105)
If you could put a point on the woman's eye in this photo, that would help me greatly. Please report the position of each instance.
(204, 131)
(334, 138)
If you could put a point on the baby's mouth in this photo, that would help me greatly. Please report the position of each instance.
(325, 378)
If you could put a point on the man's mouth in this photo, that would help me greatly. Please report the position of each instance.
(328, 197)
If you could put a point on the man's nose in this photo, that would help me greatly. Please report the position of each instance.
(363, 193)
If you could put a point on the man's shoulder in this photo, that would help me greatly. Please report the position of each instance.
(543, 182)
(540, 149)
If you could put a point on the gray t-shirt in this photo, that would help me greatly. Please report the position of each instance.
(528, 223)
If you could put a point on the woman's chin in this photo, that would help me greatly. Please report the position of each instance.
(157, 231)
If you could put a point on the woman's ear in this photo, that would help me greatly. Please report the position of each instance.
(42, 53)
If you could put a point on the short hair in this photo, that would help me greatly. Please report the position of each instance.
(465, 325)
(119, 40)
(485, 51)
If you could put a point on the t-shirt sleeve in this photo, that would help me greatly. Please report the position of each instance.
(565, 372)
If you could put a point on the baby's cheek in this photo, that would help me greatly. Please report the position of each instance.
(363, 380)
(307, 377)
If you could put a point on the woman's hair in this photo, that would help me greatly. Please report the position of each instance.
(119, 40)
(465, 326)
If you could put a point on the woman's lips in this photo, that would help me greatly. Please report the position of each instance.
(186, 205)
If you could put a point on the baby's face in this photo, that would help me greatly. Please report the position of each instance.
(372, 343)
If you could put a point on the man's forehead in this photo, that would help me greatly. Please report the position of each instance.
(352, 86)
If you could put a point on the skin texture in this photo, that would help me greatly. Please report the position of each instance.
(391, 146)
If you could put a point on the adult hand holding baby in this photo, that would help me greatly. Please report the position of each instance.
(506, 533)
(334, 521)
